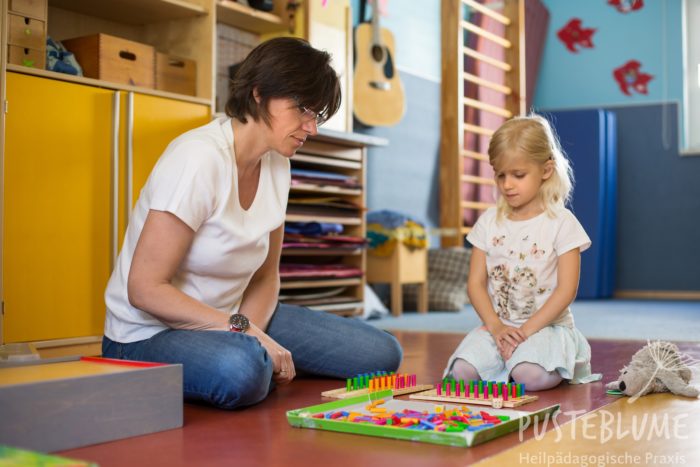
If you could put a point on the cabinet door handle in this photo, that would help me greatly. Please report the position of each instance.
(129, 154)
(116, 98)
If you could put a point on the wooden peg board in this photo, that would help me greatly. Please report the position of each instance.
(431, 395)
(343, 393)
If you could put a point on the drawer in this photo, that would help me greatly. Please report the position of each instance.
(26, 32)
(34, 8)
(34, 58)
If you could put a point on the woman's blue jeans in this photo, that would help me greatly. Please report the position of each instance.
(232, 370)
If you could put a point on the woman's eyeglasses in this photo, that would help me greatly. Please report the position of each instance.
(307, 115)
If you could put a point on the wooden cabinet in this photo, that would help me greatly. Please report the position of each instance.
(75, 157)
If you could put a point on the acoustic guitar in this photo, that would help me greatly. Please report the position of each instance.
(378, 92)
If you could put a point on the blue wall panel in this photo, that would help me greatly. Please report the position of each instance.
(659, 202)
(586, 139)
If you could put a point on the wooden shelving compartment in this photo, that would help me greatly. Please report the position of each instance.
(179, 28)
(249, 19)
(135, 12)
(343, 295)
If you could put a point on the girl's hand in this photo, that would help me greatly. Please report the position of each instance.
(508, 337)
(506, 351)
(283, 371)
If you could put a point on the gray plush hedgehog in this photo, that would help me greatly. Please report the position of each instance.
(656, 367)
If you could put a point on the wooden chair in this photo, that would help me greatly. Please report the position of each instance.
(403, 266)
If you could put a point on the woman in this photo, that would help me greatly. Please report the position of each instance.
(197, 278)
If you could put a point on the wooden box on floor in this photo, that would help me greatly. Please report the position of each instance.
(114, 59)
(68, 404)
(174, 74)
(404, 266)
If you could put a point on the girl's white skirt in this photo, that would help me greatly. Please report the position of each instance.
(559, 348)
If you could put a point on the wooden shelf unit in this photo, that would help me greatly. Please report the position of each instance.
(337, 153)
(179, 28)
(249, 19)
(137, 12)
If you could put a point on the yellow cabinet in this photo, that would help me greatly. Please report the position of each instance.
(151, 123)
(56, 231)
(73, 154)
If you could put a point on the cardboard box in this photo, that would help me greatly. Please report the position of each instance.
(114, 59)
(66, 404)
(174, 74)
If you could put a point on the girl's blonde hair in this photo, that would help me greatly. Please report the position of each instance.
(532, 136)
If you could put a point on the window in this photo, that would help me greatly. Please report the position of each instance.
(691, 77)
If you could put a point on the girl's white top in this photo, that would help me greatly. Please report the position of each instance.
(521, 260)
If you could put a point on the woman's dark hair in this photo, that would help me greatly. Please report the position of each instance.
(284, 67)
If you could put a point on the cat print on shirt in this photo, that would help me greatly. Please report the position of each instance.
(522, 292)
(499, 277)
(514, 296)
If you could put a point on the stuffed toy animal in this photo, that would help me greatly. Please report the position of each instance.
(656, 367)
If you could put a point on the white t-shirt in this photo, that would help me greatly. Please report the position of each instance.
(195, 179)
(521, 260)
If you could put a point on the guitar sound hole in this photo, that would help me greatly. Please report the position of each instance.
(389, 67)
(378, 53)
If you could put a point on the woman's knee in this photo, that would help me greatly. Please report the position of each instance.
(239, 378)
(389, 353)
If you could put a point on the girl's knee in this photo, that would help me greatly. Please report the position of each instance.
(535, 377)
(463, 370)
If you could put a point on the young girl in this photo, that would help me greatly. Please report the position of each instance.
(524, 269)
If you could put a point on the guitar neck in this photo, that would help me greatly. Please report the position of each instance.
(376, 36)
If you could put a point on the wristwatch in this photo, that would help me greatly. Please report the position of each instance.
(238, 323)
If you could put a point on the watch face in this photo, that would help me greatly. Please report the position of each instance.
(239, 322)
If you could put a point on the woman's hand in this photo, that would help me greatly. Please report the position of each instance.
(283, 370)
